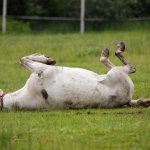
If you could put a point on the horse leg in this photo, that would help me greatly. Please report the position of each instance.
(42, 59)
(105, 60)
(36, 62)
(129, 68)
(139, 102)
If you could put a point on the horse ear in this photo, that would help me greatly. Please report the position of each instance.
(1, 92)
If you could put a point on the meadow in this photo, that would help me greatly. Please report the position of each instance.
(121, 128)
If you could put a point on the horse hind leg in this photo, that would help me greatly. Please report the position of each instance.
(139, 102)
(129, 68)
(105, 60)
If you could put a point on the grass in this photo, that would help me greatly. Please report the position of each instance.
(76, 129)
(122, 128)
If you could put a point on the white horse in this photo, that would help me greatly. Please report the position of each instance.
(51, 87)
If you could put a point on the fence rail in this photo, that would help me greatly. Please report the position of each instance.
(73, 19)
(44, 18)
(56, 18)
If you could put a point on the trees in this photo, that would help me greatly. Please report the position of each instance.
(109, 9)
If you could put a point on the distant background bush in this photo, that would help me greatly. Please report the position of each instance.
(15, 26)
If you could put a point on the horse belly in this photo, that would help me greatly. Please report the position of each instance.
(75, 92)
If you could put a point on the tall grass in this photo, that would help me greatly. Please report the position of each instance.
(122, 128)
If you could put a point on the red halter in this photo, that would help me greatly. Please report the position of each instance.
(1, 99)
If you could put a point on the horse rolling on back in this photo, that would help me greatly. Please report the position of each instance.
(51, 87)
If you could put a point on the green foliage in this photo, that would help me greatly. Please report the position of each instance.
(118, 26)
(14, 26)
(46, 27)
(54, 26)
(115, 9)
(53, 8)
(74, 27)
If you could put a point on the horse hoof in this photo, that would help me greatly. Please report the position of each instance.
(105, 52)
(51, 62)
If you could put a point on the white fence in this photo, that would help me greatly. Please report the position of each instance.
(4, 16)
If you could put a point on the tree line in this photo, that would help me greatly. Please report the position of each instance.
(108, 9)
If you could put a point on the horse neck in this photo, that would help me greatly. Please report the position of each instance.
(12, 99)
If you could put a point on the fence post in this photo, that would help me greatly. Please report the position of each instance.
(82, 16)
(4, 16)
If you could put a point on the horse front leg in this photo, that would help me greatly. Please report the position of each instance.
(42, 59)
(36, 62)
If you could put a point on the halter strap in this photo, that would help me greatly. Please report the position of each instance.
(1, 99)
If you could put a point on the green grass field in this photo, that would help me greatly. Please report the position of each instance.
(122, 128)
